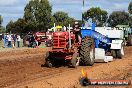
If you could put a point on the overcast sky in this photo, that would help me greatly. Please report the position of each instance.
(13, 9)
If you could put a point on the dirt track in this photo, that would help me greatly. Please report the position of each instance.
(22, 69)
(18, 66)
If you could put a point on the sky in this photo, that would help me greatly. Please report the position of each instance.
(14, 9)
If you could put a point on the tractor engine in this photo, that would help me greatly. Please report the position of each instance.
(61, 40)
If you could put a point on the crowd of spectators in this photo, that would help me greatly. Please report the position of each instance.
(11, 40)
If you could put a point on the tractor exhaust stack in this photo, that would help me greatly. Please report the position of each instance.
(69, 37)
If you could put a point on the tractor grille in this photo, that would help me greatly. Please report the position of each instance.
(59, 41)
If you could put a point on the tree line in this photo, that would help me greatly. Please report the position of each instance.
(115, 18)
(38, 17)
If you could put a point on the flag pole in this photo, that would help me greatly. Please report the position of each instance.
(82, 14)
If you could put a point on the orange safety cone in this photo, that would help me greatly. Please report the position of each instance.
(84, 74)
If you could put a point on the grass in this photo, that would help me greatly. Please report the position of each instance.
(8, 49)
(1, 44)
(21, 46)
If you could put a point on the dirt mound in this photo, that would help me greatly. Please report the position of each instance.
(23, 51)
(16, 65)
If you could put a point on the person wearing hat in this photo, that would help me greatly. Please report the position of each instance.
(77, 32)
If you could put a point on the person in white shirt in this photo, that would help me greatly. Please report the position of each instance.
(9, 40)
(18, 41)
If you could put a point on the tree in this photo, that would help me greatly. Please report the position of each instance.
(1, 20)
(130, 8)
(0, 23)
(38, 15)
(97, 15)
(10, 26)
(62, 18)
(18, 26)
(2, 29)
(118, 17)
(130, 11)
(130, 21)
(79, 21)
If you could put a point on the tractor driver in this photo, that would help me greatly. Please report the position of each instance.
(77, 32)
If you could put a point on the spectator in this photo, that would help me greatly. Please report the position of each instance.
(9, 40)
(14, 39)
(29, 41)
(18, 41)
(36, 43)
(33, 42)
(5, 40)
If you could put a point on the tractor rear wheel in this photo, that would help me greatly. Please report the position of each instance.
(87, 51)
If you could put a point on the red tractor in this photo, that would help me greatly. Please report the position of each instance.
(40, 37)
(49, 39)
(64, 48)
(29, 39)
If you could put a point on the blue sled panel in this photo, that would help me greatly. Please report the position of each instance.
(86, 32)
(95, 35)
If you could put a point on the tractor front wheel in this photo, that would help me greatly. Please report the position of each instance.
(48, 62)
(74, 60)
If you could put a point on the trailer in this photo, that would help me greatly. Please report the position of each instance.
(100, 44)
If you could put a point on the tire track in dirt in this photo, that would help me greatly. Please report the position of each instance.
(118, 69)
(19, 68)
(21, 71)
(50, 74)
